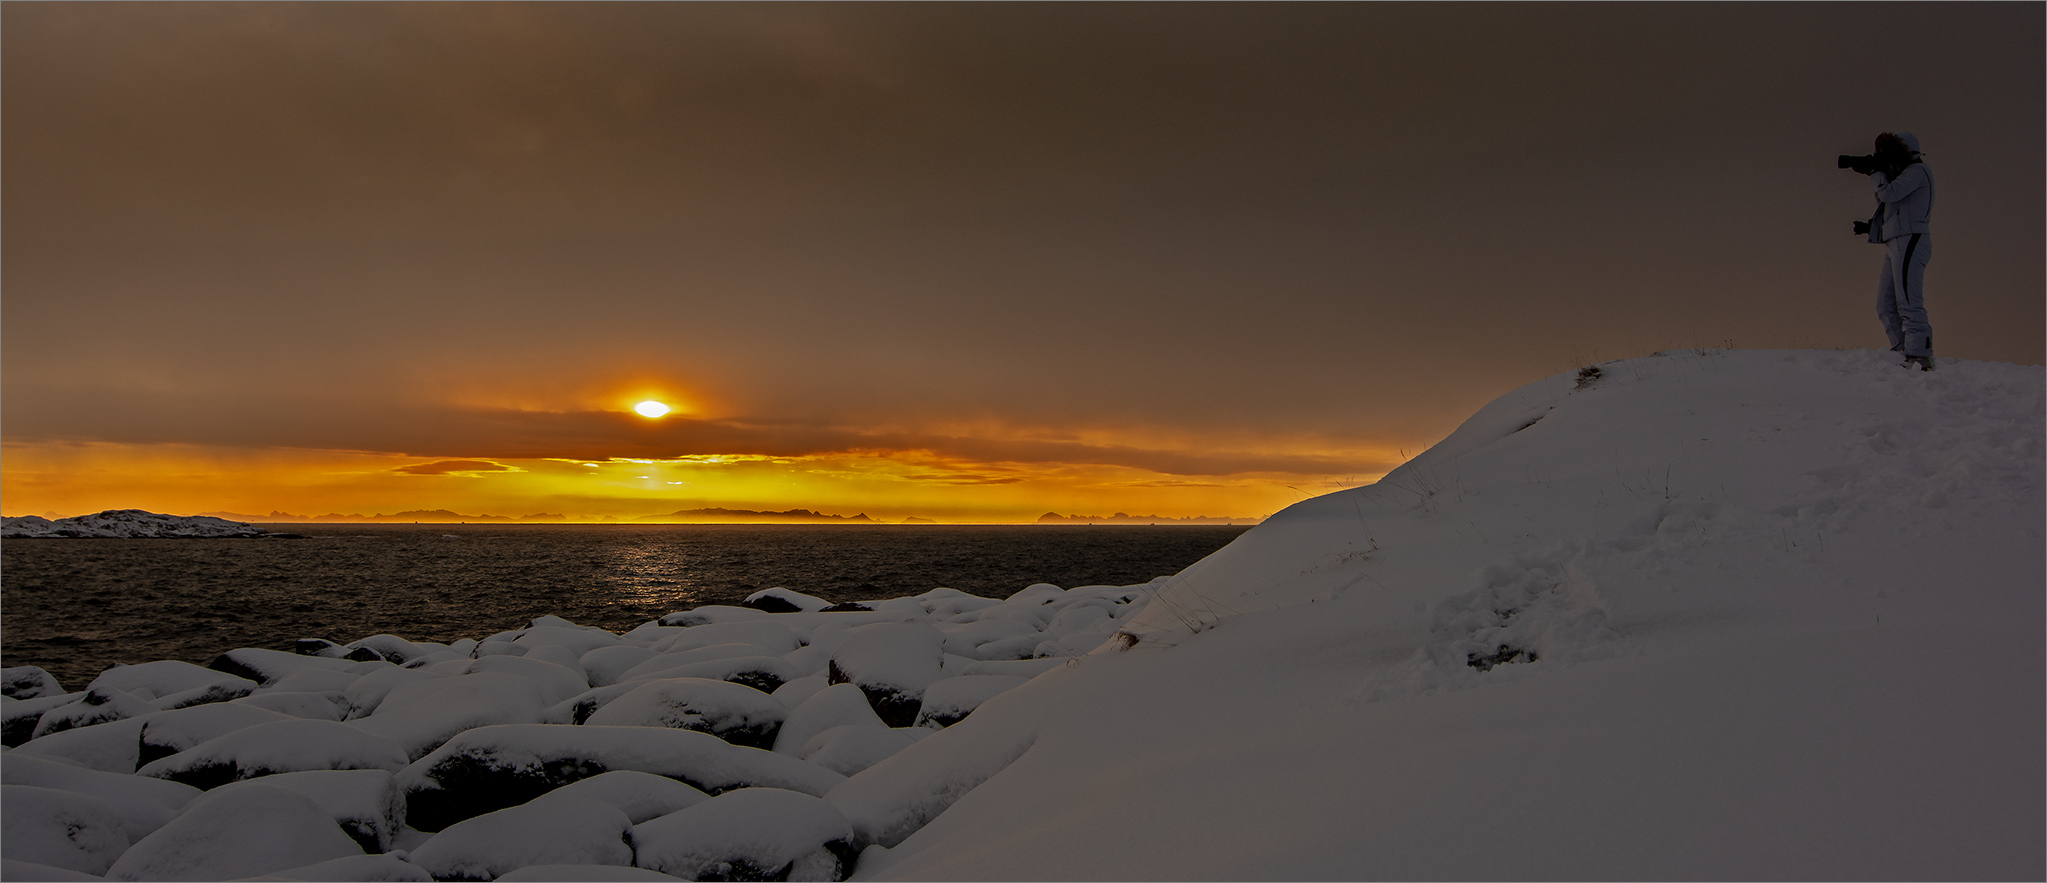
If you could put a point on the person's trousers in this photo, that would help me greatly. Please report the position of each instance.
(1901, 294)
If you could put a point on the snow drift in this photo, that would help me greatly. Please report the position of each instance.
(1705, 614)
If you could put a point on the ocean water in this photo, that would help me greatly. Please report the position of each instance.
(76, 607)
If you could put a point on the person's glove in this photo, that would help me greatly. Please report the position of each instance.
(1862, 227)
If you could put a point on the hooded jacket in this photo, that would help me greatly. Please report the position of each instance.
(1908, 200)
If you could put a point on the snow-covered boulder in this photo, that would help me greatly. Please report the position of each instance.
(710, 614)
(490, 768)
(112, 747)
(95, 707)
(151, 680)
(285, 746)
(144, 804)
(421, 716)
(329, 705)
(62, 829)
(784, 601)
(737, 714)
(365, 803)
(850, 748)
(170, 732)
(353, 869)
(758, 629)
(11, 869)
(18, 717)
(314, 680)
(641, 796)
(126, 524)
(564, 831)
(834, 706)
(749, 834)
(764, 673)
(27, 682)
(267, 666)
(582, 874)
(948, 701)
(607, 665)
(892, 663)
(237, 833)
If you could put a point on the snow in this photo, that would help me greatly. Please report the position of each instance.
(126, 523)
(1709, 614)
(748, 834)
(740, 715)
(143, 804)
(62, 829)
(365, 803)
(562, 831)
(283, 746)
(1786, 609)
(378, 868)
(641, 796)
(27, 682)
(489, 768)
(235, 833)
(833, 706)
(580, 873)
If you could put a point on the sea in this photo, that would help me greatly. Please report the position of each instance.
(78, 606)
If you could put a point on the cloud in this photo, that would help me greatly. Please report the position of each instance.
(479, 436)
(456, 467)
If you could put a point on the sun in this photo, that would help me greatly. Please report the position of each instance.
(651, 409)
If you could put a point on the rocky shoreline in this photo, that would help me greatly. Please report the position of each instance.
(713, 743)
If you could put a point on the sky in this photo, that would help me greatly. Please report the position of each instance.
(969, 262)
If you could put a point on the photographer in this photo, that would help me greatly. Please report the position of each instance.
(1904, 195)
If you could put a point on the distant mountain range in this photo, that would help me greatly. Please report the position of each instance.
(742, 516)
(1125, 518)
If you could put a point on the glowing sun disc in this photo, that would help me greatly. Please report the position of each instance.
(651, 409)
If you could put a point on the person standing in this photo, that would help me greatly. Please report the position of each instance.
(1904, 195)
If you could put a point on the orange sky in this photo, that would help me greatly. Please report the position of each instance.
(958, 262)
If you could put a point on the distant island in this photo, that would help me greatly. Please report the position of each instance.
(1126, 518)
(128, 524)
(424, 516)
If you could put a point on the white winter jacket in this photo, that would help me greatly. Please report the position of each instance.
(1907, 202)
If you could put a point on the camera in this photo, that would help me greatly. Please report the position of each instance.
(1865, 164)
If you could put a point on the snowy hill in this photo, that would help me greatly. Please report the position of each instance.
(1719, 614)
(126, 524)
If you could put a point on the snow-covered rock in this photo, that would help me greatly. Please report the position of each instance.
(236, 833)
(749, 834)
(739, 715)
(949, 701)
(849, 748)
(490, 768)
(641, 796)
(18, 717)
(365, 803)
(784, 601)
(328, 705)
(126, 523)
(170, 732)
(892, 663)
(112, 747)
(27, 682)
(95, 707)
(285, 746)
(353, 869)
(834, 706)
(143, 804)
(564, 831)
(62, 829)
(582, 874)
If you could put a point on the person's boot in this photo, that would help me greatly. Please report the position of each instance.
(1923, 363)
